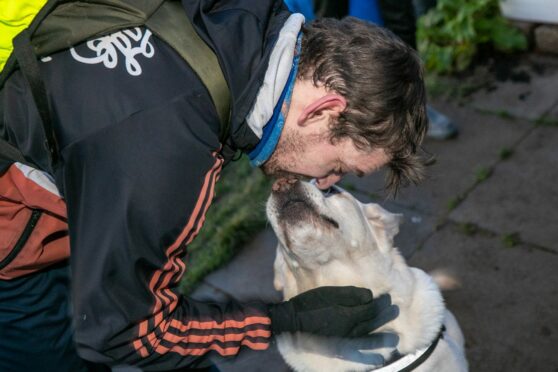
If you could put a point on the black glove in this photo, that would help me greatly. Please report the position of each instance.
(332, 311)
(366, 349)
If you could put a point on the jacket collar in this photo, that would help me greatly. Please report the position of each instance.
(276, 76)
(270, 133)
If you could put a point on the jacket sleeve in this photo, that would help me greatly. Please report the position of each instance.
(137, 193)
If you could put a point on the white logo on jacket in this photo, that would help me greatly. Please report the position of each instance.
(106, 49)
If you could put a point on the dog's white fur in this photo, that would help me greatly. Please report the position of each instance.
(359, 253)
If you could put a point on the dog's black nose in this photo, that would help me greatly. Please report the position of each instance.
(327, 191)
(332, 190)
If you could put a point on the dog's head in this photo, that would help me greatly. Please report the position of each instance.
(316, 226)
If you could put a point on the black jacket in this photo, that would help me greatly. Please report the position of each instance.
(139, 142)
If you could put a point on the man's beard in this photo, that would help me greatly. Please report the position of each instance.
(283, 156)
(290, 148)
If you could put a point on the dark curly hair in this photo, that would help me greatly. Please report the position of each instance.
(381, 79)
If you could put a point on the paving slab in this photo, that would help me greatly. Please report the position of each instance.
(507, 301)
(553, 114)
(415, 228)
(480, 140)
(522, 194)
(249, 276)
(529, 99)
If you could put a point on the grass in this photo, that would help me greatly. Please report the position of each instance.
(546, 122)
(454, 202)
(483, 174)
(505, 153)
(505, 115)
(235, 217)
(349, 186)
(444, 87)
(511, 240)
(468, 229)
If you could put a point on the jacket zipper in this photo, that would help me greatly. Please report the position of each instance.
(35, 215)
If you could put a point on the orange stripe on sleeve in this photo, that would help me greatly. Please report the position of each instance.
(224, 351)
(194, 324)
(203, 339)
(178, 242)
(174, 264)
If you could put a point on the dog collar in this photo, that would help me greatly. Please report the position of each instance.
(411, 361)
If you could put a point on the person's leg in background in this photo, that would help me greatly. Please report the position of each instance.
(35, 323)
(423, 6)
(400, 17)
(331, 8)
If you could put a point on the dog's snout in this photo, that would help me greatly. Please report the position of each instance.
(284, 184)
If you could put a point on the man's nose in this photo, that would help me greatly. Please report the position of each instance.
(328, 181)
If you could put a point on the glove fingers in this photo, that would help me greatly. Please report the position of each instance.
(371, 359)
(367, 326)
(382, 302)
(387, 315)
(351, 296)
(374, 341)
(326, 296)
(371, 310)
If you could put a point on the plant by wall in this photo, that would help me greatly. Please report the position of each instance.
(449, 34)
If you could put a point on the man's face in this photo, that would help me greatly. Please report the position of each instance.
(313, 155)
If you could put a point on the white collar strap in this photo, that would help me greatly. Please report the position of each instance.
(411, 361)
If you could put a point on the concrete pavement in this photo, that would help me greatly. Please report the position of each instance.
(488, 214)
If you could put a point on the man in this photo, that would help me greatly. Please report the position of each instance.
(140, 154)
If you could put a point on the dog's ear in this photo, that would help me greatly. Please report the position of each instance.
(385, 224)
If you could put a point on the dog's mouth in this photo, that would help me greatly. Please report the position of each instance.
(294, 206)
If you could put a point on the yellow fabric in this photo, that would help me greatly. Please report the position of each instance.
(15, 15)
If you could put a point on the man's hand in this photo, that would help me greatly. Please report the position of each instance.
(333, 312)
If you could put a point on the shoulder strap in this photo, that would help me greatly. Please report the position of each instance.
(29, 66)
(171, 24)
(9, 152)
(62, 24)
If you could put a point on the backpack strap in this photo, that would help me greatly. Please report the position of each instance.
(171, 24)
(62, 24)
(9, 152)
(29, 66)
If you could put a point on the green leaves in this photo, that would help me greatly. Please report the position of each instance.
(448, 35)
(507, 39)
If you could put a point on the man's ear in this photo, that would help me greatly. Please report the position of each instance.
(330, 104)
(385, 224)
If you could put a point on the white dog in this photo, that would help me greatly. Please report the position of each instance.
(331, 239)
